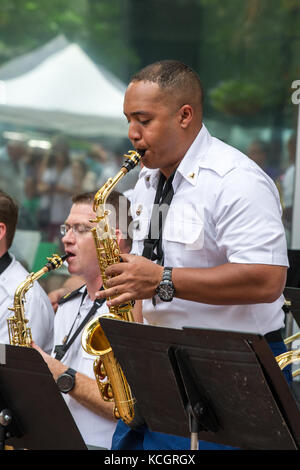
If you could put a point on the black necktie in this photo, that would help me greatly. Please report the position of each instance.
(153, 244)
(5, 261)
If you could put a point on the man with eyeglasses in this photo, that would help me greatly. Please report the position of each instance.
(71, 366)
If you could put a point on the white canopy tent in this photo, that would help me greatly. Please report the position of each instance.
(59, 88)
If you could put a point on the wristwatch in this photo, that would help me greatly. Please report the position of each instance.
(166, 289)
(66, 380)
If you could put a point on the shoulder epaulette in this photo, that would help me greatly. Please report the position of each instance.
(70, 295)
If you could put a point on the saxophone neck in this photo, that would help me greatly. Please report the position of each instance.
(53, 263)
(131, 160)
(103, 193)
(25, 285)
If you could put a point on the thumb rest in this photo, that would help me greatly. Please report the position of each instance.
(110, 378)
(18, 331)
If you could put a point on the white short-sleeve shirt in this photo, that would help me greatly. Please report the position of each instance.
(225, 209)
(96, 430)
(37, 306)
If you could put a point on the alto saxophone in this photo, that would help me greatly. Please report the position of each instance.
(18, 331)
(110, 378)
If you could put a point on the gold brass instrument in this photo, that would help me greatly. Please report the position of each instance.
(289, 357)
(110, 378)
(18, 331)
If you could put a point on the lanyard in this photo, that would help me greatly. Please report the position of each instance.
(61, 349)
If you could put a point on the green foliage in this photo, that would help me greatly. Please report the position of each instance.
(97, 26)
(251, 53)
(245, 51)
(238, 97)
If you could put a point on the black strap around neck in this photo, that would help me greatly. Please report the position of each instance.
(5, 261)
(163, 196)
(61, 349)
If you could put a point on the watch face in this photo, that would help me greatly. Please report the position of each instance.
(65, 383)
(166, 291)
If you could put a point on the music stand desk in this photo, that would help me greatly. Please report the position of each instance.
(236, 375)
(40, 418)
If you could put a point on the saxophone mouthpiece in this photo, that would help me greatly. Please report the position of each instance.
(56, 261)
(132, 159)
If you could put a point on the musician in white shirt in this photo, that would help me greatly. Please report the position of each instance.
(37, 307)
(223, 237)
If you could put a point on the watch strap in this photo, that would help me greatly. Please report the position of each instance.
(161, 288)
(70, 371)
(167, 274)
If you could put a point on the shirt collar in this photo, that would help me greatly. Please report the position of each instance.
(189, 165)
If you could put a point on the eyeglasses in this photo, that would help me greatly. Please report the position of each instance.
(77, 229)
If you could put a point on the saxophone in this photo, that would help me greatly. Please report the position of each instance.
(18, 331)
(289, 357)
(110, 378)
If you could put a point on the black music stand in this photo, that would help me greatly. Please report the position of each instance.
(291, 291)
(292, 298)
(224, 385)
(293, 272)
(33, 414)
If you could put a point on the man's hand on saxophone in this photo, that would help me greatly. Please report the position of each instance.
(136, 278)
(228, 284)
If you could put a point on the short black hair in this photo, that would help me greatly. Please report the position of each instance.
(172, 75)
(9, 212)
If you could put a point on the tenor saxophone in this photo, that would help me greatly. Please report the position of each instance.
(18, 331)
(110, 378)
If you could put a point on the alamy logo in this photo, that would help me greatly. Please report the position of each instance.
(296, 94)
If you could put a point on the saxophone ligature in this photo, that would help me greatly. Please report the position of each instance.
(110, 378)
(18, 331)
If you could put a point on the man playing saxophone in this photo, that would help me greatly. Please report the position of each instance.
(71, 366)
(218, 259)
(38, 310)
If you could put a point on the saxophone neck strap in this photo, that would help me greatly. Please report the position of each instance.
(61, 349)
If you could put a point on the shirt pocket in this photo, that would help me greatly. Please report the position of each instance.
(183, 238)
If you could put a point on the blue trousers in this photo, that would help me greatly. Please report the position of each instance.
(125, 438)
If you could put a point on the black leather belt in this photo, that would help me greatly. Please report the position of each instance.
(274, 336)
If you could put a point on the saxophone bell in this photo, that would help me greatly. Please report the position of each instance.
(18, 331)
(94, 340)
